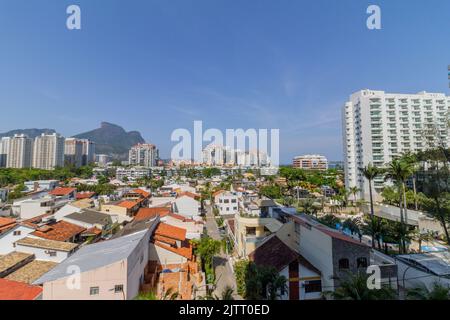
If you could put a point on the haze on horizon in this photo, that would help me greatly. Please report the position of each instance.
(155, 66)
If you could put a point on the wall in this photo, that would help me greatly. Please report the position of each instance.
(7, 239)
(187, 206)
(41, 254)
(164, 256)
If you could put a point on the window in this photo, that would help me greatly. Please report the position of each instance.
(17, 233)
(233, 200)
(361, 262)
(118, 288)
(251, 231)
(94, 291)
(313, 286)
(52, 253)
(343, 264)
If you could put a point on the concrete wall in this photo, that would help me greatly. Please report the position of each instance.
(42, 254)
(7, 239)
(164, 256)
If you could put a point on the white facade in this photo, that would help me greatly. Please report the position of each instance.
(8, 238)
(44, 254)
(311, 161)
(39, 185)
(48, 151)
(20, 152)
(4, 149)
(132, 173)
(30, 208)
(379, 126)
(144, 155)
(227, 203)
(88, 151)
(186, 206)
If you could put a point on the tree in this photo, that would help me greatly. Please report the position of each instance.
(376, 228)
(354, 191)
(438, 292)
(354, 287)
(370, 172)
(206, 248)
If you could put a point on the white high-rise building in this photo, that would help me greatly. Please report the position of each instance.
(4, 149)
(73, 152)
(310, 161)
(143, 154)
(20, 152)
(88, 152)
(48, 151)
(214, 155)
(379, 126)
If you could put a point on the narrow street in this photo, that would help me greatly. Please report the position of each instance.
(223, 269)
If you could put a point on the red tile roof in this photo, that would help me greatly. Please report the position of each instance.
(183, 251)
(189, 194)
(166, 230)
(218, 192)
(128, 204)
(143, 193)
(92, 231)
(6, 224)
(148, 213)
(62, 191)
(85, 195)
(60, 231)
(13, 290)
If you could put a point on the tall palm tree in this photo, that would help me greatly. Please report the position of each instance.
(370, 172)
(354, 191)
(399, 171)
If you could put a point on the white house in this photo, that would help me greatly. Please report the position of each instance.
(227, 203)
(46, 250)
(30, 208)
(8, 238)
(187, 206)
(39, 185)
(194, 229)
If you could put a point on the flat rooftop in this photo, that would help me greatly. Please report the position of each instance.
(437, 263)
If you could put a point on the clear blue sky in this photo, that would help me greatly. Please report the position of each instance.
(155, 66)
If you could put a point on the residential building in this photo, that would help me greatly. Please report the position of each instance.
(48, 151)
(115, 274)
(20, 152)
(73, 152)
(303, 279)
(144, 154)
(102, 159)
(29, 208)
(13, 261)
(310, 162)
(226, 202)
(31, 271)
(186, 204)
(4, 149)
(9, 237)
(46, 250)
(64, 193)
(132, 174)
(88, 152)
(121, 210)
(380, 126)
(40, 185)
(59, 231)
(89, 219)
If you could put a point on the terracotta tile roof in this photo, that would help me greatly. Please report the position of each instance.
(6, 224)
(183, 251)
(60, 231)
(180, 217)
(169, 231)
(143, 193)
(32, 223)
(84, 195)
(92, 231)
(12, 260)
(148, 213)
(61, 191)
(273, 253)
(13, 290)
(218, 192)
(164, 239)
(128, 204)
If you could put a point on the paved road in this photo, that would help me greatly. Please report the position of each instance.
(223, 270)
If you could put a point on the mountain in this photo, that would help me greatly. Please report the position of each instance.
(32, 133)
(112, 140)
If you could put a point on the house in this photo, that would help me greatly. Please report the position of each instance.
(109, 270)
(59, 231)
(138, 194)
(170, 245)
(123, 209)
(146, 213)
(303, 279)
(13, 290)
(194, 228)
(332, 252)
(46, 250)
(66, 210)
(64, 193)
(29, 208)
(9, 237)
(226, 202)
(85, 195)
(31, 271)
(40, 185)
(13, 261)
(186, 205)
(90, 219)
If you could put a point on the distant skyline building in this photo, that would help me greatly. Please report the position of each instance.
(20, 152)
(4, 149)
(310, 162)
(143, 154)
(48, 151)
(379, 126)
(88, 153)
(218, 155)
(73, 152)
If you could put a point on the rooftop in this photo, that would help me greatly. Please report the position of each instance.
(146, 213)
(47, 244)
(437, 263)
(166, 230)
(31, 271)
(13, 290)
(62, 191)
(12, 259)
(91, 217)
(60, 231)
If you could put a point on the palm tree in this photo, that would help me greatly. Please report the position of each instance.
(354, 287)
(376, 227)
(370, 172)
(354, 191)
(438, 292)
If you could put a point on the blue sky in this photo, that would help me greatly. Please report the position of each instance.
(158, 65)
